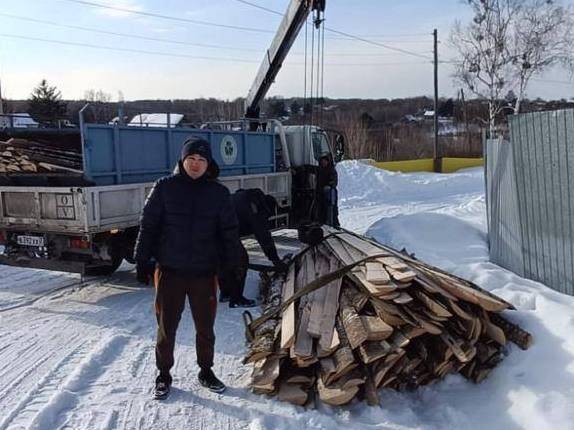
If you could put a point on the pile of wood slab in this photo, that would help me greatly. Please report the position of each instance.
(25, 156)
(352, 316)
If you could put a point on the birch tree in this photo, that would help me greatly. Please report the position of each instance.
(484, 63)
(543, 37)
(506, 44)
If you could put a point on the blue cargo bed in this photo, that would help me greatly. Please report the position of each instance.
(114, 154)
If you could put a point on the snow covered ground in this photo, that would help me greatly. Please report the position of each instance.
(80, 356)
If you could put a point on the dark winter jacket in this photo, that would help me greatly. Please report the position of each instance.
(253, 210)
(326, 177)
(189, 225)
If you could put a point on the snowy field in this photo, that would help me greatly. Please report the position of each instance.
(80, 356)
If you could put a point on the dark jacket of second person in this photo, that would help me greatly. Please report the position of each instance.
(253, 210)
(189, 225)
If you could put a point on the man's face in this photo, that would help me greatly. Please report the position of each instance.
(195, 166)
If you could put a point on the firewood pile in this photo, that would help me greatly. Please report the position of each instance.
(352, 316)
(24, 156)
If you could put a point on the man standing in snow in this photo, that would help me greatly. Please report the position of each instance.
(189, 227)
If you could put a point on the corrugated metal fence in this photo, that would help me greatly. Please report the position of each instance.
(530, 198)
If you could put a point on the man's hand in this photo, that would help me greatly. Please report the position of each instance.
(144, 272)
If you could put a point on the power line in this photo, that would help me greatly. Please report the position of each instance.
(341, 33)
(162, 40)
(195, 57)
(382, 45)
(398, 63)
(114, 48)
(213, 24)
(133, 36)
(255, 5)
(168, 17)
(552, 81)
(384, 41)
(395, 35)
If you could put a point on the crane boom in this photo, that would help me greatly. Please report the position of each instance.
(293, 20)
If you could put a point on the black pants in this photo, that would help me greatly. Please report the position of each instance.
(172, 289)
(327, 206)
(232, 283)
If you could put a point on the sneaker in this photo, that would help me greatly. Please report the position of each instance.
(242, 302)
(208, 379)
(161, 390)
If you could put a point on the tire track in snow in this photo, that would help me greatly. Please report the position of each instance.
(97, 408)
(46, 406)
(45, 383)
(118, 404)
(51, 293)
(23, 372)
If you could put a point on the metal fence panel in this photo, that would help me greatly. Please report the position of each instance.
(530, 197)
(505, 234)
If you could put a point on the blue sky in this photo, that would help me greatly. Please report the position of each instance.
(352, 68)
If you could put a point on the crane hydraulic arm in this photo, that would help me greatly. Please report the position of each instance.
(293, 20)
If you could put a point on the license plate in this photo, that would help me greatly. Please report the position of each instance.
(30, 240)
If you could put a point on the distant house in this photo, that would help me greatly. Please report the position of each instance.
(410, 119)
(330, 108)
(18, 120)
(156, 120)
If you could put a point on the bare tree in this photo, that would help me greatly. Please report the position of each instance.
(97, 96)
(508, 42)
(356, 134)
(99, 104)
(543, 37)
(484, 50)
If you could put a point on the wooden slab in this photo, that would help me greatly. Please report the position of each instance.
(376, 273)
(376, 328)
(288, 317)
(372, 351)
(402, 276)
(363, 246)
(318, 299)
(265, 372)
(352, 324)
(293, 394)
(303, 347)
(394, 263)
(335, 342)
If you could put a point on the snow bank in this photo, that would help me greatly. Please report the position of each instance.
(441, 218)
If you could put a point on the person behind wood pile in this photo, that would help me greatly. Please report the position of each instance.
(326, 192)
(253, 209)
(189, 227)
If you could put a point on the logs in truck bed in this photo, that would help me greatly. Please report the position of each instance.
(20, 156)
(352, 316)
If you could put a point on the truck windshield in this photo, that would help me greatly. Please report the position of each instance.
(320, 145)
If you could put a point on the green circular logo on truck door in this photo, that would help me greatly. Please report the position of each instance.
(228, 149)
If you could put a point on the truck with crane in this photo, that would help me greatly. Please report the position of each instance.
(89, 224)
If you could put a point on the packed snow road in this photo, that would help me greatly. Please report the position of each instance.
(82, 358)
(79, 355)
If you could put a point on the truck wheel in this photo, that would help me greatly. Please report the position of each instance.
(105, 270)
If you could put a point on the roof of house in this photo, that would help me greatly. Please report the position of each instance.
(23, 120)
(156, 120)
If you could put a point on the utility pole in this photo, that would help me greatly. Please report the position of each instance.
(436, 153)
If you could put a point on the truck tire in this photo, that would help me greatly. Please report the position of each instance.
(104, 270)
